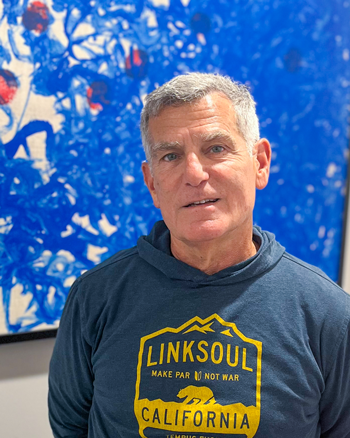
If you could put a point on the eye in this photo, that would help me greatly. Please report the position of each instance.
(217, 149)
(170, 157)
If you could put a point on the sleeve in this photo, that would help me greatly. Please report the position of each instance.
(335, 401)
(70, 374)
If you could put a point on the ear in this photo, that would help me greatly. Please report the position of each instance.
(262, 153)
(149, 181)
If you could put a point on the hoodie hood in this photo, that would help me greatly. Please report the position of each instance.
(155, 250)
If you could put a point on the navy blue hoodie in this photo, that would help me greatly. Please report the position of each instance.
(149, 346)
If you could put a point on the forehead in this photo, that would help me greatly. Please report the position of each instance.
(212, 112)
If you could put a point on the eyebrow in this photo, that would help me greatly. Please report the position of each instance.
(165, 146)
(218, 135)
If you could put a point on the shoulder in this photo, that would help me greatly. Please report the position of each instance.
(298, 266)
(97, 294)
(317, 293)
(96, 284)
(322, 304)
(312, 280)
(110, 265)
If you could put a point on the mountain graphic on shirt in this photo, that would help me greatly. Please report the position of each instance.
(207, 329)
(204, 329)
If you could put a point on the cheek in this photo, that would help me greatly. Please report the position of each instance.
(165, 186)
(240, 190)
(163, 195)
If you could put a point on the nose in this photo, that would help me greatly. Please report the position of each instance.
(194, 172)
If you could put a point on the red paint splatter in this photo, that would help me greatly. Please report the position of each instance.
(8, 86)
(96, 95)
(136, 64)
(36, 17)
(200, 23)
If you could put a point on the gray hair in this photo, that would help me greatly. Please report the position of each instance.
(188, 88)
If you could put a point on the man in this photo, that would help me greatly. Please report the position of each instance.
(207, 328)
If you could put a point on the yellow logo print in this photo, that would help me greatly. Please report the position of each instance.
(204, 377)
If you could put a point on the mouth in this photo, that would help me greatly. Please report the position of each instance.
(203, 202)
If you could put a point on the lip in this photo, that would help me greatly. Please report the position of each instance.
(210, 201)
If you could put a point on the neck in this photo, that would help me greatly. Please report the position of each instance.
(211, 257)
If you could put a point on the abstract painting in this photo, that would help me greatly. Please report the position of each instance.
(73, 76)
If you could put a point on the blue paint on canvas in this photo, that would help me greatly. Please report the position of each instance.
(84, 199)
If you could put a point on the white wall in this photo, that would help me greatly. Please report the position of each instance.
(23, 389)
(345, 280)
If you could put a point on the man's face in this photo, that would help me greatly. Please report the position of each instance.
(203, 178)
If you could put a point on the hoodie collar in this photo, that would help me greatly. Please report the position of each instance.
(155, 249)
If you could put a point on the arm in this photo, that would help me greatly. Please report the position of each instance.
(335, 401)
(70, 375)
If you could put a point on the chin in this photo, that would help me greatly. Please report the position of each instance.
(204, 232)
